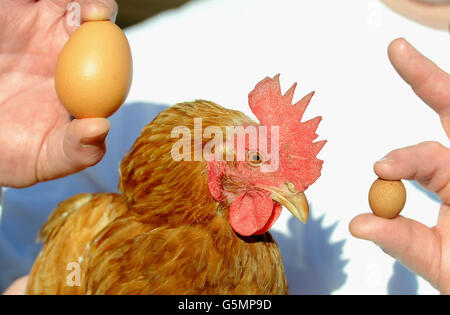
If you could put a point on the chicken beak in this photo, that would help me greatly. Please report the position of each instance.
(294, 201)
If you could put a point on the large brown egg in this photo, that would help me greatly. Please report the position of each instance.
(387, 198)
(94, 70)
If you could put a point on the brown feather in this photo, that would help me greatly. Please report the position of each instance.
(66, 234)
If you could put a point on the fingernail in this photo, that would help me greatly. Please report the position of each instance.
(385, 159)
(95, 140)
(114, 11)
(109, 5)
(99, 10)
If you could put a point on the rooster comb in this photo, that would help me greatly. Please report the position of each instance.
(297, 149)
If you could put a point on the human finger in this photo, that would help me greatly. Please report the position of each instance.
(410, 242)
(72, 148)
(427, 162)
(428, 81)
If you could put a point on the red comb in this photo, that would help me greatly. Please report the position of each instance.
(297, 150)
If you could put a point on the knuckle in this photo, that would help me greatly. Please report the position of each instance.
(432, 146)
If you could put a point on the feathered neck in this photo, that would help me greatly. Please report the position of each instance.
(161, 190)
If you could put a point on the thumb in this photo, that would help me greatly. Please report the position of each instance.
(72, 147)
(412, 243)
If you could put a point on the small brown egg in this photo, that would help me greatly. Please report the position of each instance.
(387, 198)
(94, 70)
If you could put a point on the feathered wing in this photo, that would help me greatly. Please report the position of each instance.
(129, 257)
(59, 268)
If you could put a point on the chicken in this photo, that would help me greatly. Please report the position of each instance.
(189, 226)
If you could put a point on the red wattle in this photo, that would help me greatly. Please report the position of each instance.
(275, 214)
(253, 212)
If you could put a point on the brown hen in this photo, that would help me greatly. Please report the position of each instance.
(186, 227)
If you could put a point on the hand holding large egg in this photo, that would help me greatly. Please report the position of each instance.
(94, 70)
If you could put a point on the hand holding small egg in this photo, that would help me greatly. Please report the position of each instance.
(38, 140)
(422, 249)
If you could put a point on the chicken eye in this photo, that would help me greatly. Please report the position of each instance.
(254, 158)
